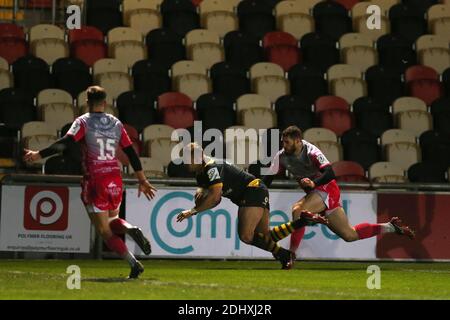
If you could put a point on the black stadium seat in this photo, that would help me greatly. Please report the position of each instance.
(178, 171)
(229, 80)
(137, 109)
(384, 84)
(71, 75)
(255, 17)
(16, 107)
(180, 16)
(61, 165)
(435, 148)
(395, 52)
(332, 19)
(307, 82)
(73, 153)
(104, 14)
(407, 21)
(31, 74)
(294, 110)
(164, 46)
(446, 82)
(242, 49)
(319, 50)
(426, 172)
(440, 109)
(372, 116)
(215, 111)
(151, 78)
(360, 146)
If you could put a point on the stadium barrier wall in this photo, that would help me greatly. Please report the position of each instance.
(45, 214)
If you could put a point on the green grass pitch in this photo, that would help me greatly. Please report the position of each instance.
(198, 279)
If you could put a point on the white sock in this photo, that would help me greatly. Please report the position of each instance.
(130, 258)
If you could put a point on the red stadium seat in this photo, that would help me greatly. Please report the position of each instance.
(39, 4)
(12, 42)
(330, 103)
(349, 171)
(420, 73)
(176, 110)
(281, 48)
(423, 82)
(336, 120)
(87, 44)
(348, 4)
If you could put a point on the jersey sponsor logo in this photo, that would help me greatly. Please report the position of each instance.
(321, 158)
(75, 128)
(213, 174)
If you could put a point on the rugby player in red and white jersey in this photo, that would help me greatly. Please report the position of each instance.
(100, 135)
(315, 175)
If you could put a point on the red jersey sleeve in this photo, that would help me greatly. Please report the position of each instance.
(125, 140)
(77, 130)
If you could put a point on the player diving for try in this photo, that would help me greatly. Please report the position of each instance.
(316, 176)
(100, 135)
(217, 178)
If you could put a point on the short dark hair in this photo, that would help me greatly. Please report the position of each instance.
(292, 132)
(95, 95)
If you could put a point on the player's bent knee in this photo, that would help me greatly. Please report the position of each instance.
(246, 238)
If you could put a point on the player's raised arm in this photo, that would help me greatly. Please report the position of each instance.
(57, 147)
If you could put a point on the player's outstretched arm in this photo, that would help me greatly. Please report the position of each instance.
(145, 186)
(211, 200)
(57, 147)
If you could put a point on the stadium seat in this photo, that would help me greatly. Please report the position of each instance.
(13, 44)
(347, 4)
(61, 165)
(439, 20)
(411, 115)
(104, 14)
(423, 82)
(37, 135)
(158, 143)
(435, 148)
(204, 47)
(164, 46)
(87, 44)
(326, 103)
(190, 78)
(143, 16)
(242, 50)
(407, 21)
(349, 171)
(331, 19)
(346, 81)
(137, 109)
(21, 102)
(215, 111)
(31, 74)
(268, 79)
(152, 167)
(150, 78)
(395, 52)
(427, 172)
(281, 48)
(8, 145)
(48, 42)
(293, 110)
(386, 172)
(241, 150)
(400, 147)
(179, 16)
(125, 44)
(384, 84)
(294, 17)
(218, 16)
(441, 115)
(72, 154)
(372, 116)
(178, 171)
(360, 18)
(229, 80)
(255, 110)
(176, 110)
(422, 5)
(360, 146)
(433, 51)
(255, 17)
(71, 75)
(112, 75)
(319, 50)
(357, 49)
(336, 120)
(315, 135)
(307, 82)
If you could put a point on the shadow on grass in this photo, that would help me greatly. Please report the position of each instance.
(116, 280)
